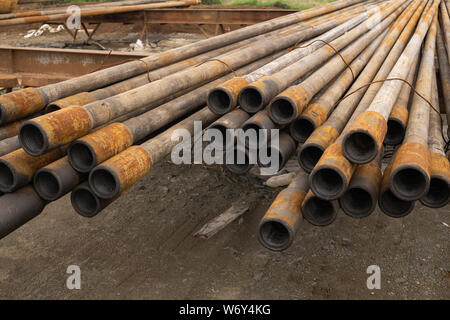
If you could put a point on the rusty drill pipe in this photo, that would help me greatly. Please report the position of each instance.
(86, 203)
(14, 105)
(84, 98)
(398, 119)
(119, 173)
(17, 168)
(319, 212)
(56, 179)
(364, 139)
(410, 177)
(48, 132)
(259, 122)
(284, 149)
(9, 145)
(96, 12)
(361, 197)
(445, 21)
(389, 203)
(238, 166)
(347, 110)
(288, 105)
(438, 194)
(18, 208)
(258, 94)
(280, 223)
(444, 72)
(317, 112)
(10, 130)
(87, 152)
(232, 120)
(224, 98)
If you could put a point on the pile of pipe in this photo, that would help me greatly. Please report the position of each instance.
(348, 84)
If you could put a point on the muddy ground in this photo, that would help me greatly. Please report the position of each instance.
(141, 246)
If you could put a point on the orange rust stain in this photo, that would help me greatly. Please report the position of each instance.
(286, 207)
(109, 141)
(298, 96)
(18, 104)
(399, 112)
(333, 157)
(130, 165)
(440, 165)
(316, 113)
(369, 171)
(413, 153)
(372, 123)
(323, 136)
(65, 125)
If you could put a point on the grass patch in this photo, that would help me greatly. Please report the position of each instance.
(284, 4)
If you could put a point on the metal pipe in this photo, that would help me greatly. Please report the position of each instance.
(347, 110)
(438, 194)
(65, 125)
(398, 119)
(388, 202)
(361, 197)
(87, 152)
(363, 140)
(96, 12)
(258, 94)
(285, 148)
(263, 126)
(119, 173)
(86, 203)
(288, 105)
(56, 179)
(237, 166)
(444, 72)
(18, 167)
(283, 218)
(318, 111)
(224, 98)
(319, 212)
(14, 105)
(232, 120)
(445, 20)
(9, 145)
(18, 208)
(410, 177)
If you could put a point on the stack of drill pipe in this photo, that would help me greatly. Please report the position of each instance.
(224, 98)
(45, 133)
(20, 103)
(331, 175)
(444, 72)
(255, 96)
(347, 110)
(31, 13)
(98, 11)
(438, 194)
(18, 168)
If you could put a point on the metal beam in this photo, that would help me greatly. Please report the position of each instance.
(41, 66)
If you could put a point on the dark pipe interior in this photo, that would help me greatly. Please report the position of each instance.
(282, 110)
(409, 182)
(103, 182)
(32, 139)
(439, 193)
(395, 132)
(219, 101)
(327, 183)
(359, 147)
(309, 156)
(84, 202)
(301, 129)
(47, 185)
(357, 202)
(393, 206)
(274, 235)
(81, 157)
(319, 212)
(6, 177)
(250, 100)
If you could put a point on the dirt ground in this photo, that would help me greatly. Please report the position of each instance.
(141, 246)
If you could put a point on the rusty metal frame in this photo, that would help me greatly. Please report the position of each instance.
(41, 66)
